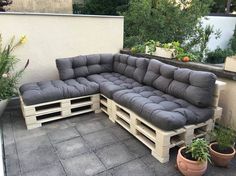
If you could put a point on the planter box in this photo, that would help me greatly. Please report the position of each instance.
(230, 64)
(162, 52)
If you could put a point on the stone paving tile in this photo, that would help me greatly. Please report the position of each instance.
(91, 126)
(86, 164)
(10, 149)
(71, 148)
(105, 173)
(33, 143)
(100, 139)
(50, 170)
(62, 135)
(56, 125)
(136, 147)
(86, 117)
(12, 165)
(36, 159)
(133, 168)
(120, 132)
(114, 155)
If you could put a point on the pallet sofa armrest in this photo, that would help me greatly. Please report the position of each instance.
(219, 86)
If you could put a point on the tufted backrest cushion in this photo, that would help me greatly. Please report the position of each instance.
(130, 66)
(81, 66)
(195, 87)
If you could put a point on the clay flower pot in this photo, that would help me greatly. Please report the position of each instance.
(189, 167)
(221, 159)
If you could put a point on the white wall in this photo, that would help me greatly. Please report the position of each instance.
(226, 24)
(55, 36)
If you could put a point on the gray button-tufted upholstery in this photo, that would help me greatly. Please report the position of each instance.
(112, 82)
(45, 91)
(130, 66)
(162, 110)
(194, 86)
(82, 66)
(167, 96)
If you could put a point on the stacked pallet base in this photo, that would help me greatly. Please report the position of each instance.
(159, 141)
(36, 115)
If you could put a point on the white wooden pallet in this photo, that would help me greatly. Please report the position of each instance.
(37, 114)
(160, 141)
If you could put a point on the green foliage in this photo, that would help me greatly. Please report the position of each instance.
(101, 7)
(9, 78)
(198, 40)
(225, 137)
(162, 20)
(233, 41)
(151, 46)
(220, 6)
(138, 49)
(191, 56)
(218, 56)
(199, 150)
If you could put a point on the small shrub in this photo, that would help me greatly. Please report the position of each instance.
(218, 56)
(225, 137)
(199, 150)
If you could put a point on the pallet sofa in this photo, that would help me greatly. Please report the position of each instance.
(161, 105)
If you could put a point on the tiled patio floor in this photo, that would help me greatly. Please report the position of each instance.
(85, 145)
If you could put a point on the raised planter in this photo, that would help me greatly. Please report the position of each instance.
(230, 64)
(162, 52)
(3, 104)
(189, 167)
(221, 159)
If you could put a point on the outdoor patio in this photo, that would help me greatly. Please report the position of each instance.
(83, 145)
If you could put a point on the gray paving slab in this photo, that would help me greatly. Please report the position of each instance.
(83, 165)
(12, 165)
(37, 159)
(62, 135)
(120, 132)
(133, 168)
(50, 170)
(86, 127)
(71, 148)
(114, 155)
(100, 139)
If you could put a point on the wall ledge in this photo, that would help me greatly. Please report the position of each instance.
(218, 71)
(59, 14)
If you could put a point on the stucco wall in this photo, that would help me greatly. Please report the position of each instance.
(56, 36)
(226, 25)
(228, 103)
(45, 6)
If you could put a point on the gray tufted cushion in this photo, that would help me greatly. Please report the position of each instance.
(112, 82)
(130, 66)
(81, 66)
(45, 91)
(195, 87)
(162, 110)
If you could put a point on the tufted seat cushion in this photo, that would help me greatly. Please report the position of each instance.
(112, 82)
(162, 110)
(195, 87)
(82, 66)
(45, 91)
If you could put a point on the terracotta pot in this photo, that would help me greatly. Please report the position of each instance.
(188, 167)
(3, 104)
(221, 159)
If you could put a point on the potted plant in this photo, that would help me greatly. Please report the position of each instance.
(222, 151)
(192, 160)
(8, 76)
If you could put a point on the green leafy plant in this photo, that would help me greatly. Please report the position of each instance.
(8, 77)
(232, 42)
(151, 46)
(225, 137)
(198, 40)
(218, 56)
(199, 150)
(191, 56)
(162, 20)
(138, 49)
